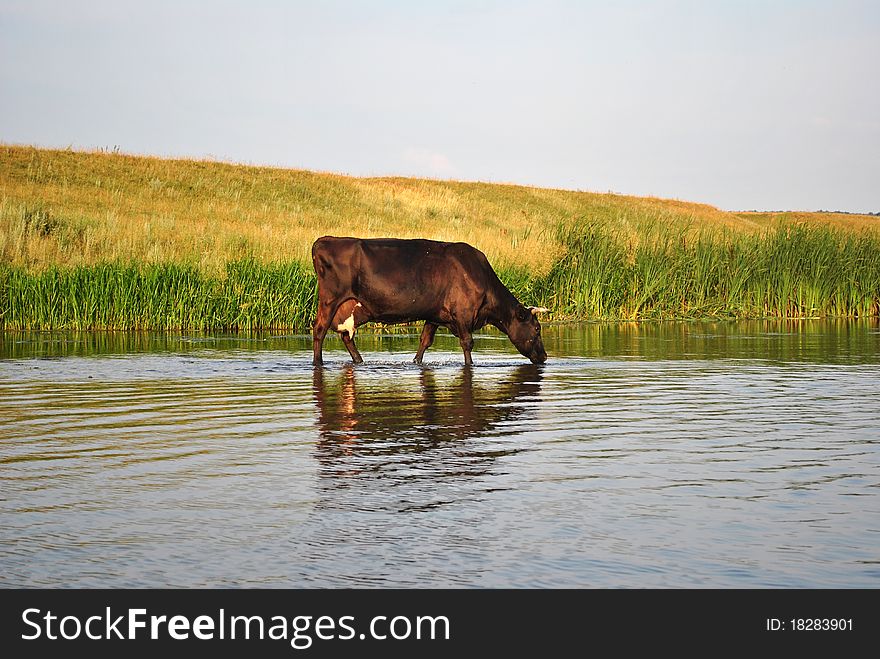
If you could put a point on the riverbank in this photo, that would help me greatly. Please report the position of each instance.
(110, 241)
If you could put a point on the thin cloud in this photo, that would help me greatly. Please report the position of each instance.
(428, 162)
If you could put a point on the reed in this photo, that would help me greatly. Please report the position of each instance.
(250, 296)
(791, 272)
(787, 272)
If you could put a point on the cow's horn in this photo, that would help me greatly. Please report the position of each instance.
(539, 309)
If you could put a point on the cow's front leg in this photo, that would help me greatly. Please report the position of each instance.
(467, 344)
(425, 341)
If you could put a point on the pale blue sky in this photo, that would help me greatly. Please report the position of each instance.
(767, 105)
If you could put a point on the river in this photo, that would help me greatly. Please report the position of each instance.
(703, 454)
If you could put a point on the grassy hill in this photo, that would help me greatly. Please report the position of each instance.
(91, 239)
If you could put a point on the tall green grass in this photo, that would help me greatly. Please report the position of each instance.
(792, 272)
(250, 296)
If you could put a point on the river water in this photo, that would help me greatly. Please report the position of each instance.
(641, 455)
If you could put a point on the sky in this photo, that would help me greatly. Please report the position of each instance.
(767, 105)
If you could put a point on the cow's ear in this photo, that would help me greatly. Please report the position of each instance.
(522, 314)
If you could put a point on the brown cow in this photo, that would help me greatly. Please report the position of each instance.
(393, 281)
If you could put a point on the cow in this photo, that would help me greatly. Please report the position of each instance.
(392, 281)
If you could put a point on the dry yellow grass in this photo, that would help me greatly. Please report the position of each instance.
(843, 221)
(69, 208)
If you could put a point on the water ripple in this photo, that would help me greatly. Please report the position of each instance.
(650, 463)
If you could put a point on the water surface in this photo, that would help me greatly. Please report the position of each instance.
(671, 455)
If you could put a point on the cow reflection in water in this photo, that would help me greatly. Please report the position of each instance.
(418, 422)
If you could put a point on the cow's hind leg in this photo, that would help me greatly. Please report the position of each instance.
(351, 347)
(349, 315)
(326, 311)
(425, 341)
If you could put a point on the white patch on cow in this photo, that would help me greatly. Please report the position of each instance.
(348, 325)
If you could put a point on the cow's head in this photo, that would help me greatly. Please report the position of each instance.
(524, 331)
